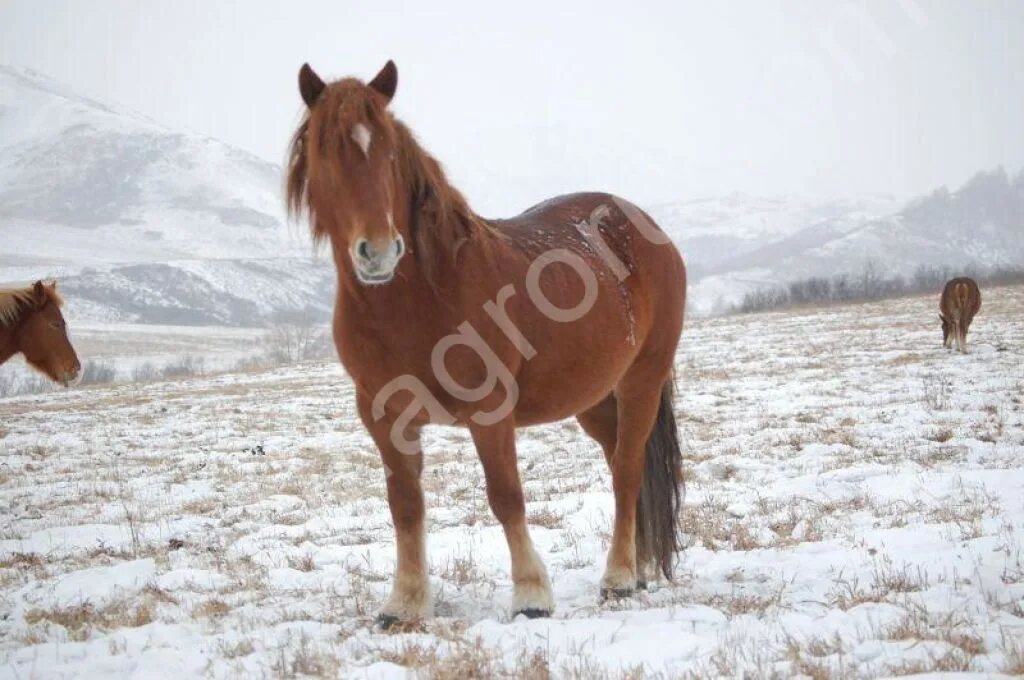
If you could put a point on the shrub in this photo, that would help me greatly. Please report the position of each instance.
(97, 373)
(870, 284)
(185, 366)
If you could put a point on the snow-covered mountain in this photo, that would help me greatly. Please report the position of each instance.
(741, 243)
(718, 235)
(142, 222)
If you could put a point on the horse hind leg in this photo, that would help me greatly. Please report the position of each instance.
(600, 422)
(639, 399)
(531, 586)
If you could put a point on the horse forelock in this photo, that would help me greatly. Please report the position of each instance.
(323, 139)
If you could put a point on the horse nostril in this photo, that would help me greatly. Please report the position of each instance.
(363, 249)
(399, 246)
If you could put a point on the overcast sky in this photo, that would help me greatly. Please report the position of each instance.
(675, 101)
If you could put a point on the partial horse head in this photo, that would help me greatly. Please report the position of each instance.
(946, 330)
(32, 324)
(343, 169)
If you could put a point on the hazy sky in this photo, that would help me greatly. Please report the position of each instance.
(671, 101)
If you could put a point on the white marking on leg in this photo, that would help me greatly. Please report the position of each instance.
(409, 602)
(618, 577)
(531, 585)
(410, 598)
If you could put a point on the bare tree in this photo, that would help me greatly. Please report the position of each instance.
(871, 280)
(297, 335)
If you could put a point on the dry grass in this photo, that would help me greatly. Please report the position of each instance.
(82, 619)
(743, 602)
(304, 563)
(906, 359)
(953, 661)
(461, 570)
(811, 658)
(211, 609)
(306, 660)
(545, 517)
(578, 557)
(1013, 656)
(886, 580)
(966, 508)
(201, 506)
(20, 560)
(234, 650)
(458, 660)
(710, 523)
(941, 435)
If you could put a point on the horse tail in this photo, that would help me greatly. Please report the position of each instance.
(960, 295)
(658, 529)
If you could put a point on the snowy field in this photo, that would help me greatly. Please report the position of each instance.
(131, 351)
(855, 509)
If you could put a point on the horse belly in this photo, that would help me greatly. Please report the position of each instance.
(558, 385)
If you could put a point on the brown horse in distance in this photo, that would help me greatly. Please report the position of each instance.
(31, 324)
(960, 301)
(573, 308)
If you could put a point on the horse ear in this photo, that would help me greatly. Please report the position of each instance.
(39, 293)
(386, 82)
(310, 85)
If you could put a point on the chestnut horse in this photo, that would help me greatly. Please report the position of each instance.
(960, 301)
(31, 324)
(573, 308)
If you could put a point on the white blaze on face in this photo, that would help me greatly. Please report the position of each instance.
(361, 135)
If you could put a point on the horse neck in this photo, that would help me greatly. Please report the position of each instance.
(8, 343)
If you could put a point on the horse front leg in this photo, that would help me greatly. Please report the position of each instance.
(410, 598)
(496, 446)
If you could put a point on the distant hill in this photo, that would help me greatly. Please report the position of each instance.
(143, 223)
(741, 243)
(152, 225)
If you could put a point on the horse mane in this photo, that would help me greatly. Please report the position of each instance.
(14, 302)
(440, 219)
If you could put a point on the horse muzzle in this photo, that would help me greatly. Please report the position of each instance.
(375, 263)
(71, 377)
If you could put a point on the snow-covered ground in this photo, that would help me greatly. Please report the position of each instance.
(855, 508)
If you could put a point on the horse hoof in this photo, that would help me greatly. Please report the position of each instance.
(533, 613)
(641, 585)
(616, 593)
(386, 621)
